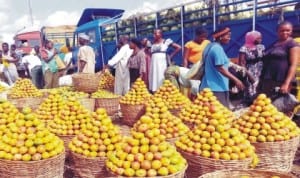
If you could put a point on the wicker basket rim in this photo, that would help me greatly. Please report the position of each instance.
(176, 173)
(262, 171)
(26, 98)
(118, 97)
(131, 104)
(85, 74)
(31, 162)
(277, 142)
(88, 158)
(211, 159)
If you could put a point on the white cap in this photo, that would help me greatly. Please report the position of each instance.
(84, 36)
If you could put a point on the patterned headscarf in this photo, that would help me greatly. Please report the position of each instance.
(220, 32)
(250, 39)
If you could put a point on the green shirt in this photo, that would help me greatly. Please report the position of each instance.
(51, 65)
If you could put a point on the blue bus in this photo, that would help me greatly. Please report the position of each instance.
(92, 22)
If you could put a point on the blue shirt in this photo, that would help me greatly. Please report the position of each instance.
(212, 78)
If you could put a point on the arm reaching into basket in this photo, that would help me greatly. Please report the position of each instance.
(118, 57)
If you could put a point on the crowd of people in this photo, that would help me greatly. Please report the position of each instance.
(46, 64)
(263, 68)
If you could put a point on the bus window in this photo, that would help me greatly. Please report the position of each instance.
(92, 35)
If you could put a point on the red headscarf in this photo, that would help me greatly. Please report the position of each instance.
(250, 39)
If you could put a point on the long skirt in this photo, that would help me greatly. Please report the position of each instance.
(158, 67)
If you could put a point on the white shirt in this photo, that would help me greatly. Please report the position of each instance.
(68, 58)
(122, 56)
(32, 61)
(87, 54)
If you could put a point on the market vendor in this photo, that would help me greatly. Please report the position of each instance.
(193, 49)
(86, 55)
(49, 65)
(190, 88)
(280, 62)
(137, 61)
(216, 75)
(120, 61)
(8, 61)
(177, 77)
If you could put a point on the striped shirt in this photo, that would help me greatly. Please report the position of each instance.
(138, 61)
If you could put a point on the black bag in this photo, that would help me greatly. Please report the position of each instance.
(285, 102)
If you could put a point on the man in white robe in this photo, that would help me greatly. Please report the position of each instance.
(119, 62)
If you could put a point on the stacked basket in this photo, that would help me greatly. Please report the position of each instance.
(172, 97)
(199, 165)
(25, 94)
(30, 149)
(107, 100)
(70, 120)
(277, 156)
(133, 103)
(48, 168)
(90, 147)
(86, 82)
(107, 81)
(274, 135)
(214, 144)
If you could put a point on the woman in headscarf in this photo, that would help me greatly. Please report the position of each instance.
(250, 56)
(216, 63)
(280, 62)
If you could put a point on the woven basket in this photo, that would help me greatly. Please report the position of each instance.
(124, 129)
(86, 82)
(190, 125)
(240, 173)
(112, 89)
(33, 103)
(66, 139)
(277, 156)
(175, 112)
(69, 162)
(88, 167)
(199, 165)
(111, 105)
(132, 113)
(88, 103)
(180, 174)
(48, 168)
(171, 140)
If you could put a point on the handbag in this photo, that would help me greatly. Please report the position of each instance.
(198, 69)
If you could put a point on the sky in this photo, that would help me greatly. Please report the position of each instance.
(14, 14)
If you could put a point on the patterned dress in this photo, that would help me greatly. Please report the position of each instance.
(254, 65)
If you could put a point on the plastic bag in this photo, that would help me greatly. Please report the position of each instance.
(65, 80)
(185, 82)
(285, 103)
(195, 86)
